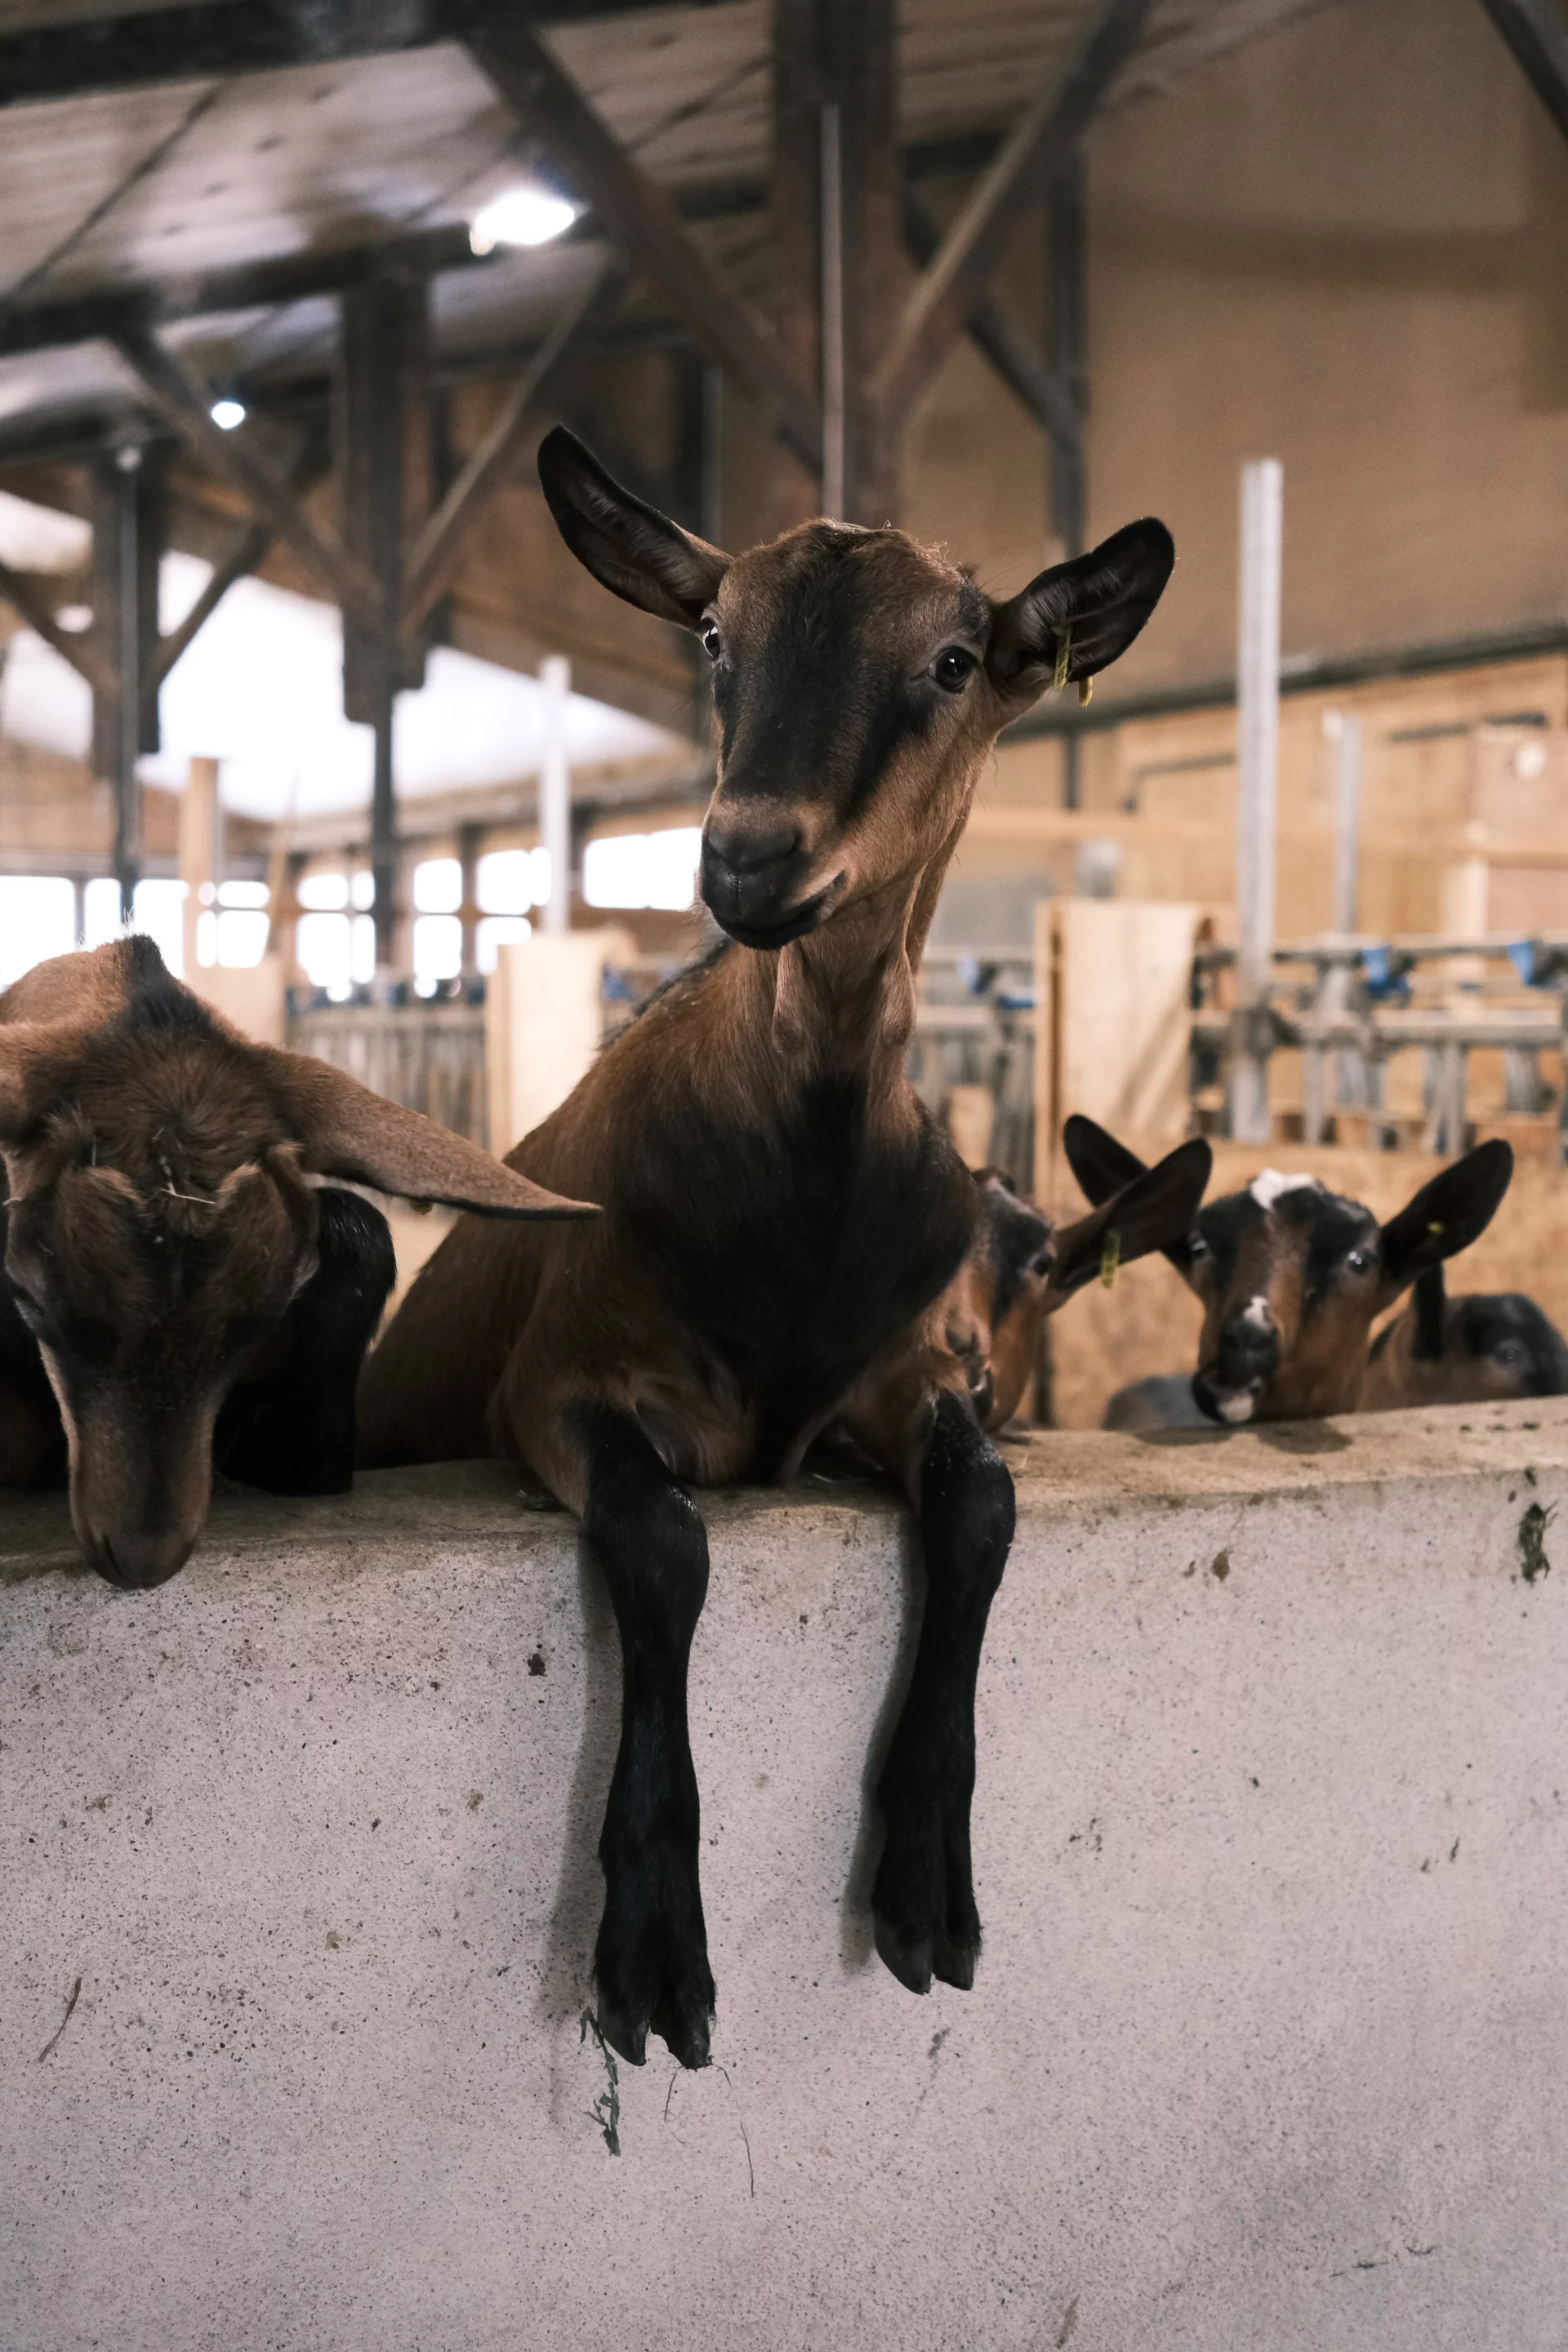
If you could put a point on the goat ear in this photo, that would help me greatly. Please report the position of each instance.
(629, 547)
(1445, 1216)
(1100, 1164)
(1431, 1305)
(1099, 602)
(1153, 1211)
(342, 1129)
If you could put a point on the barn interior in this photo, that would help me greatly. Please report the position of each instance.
(299, 675)
(297, 2046)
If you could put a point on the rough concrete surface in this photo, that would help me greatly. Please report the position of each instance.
(1268, 2048)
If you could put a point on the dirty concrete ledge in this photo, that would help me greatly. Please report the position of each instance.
(1271, 1844)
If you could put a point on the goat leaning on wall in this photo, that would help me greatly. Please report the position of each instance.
(176, 1282)
(781, 1216)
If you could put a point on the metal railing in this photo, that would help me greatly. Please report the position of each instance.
(1354, 1011)
(429, 1056)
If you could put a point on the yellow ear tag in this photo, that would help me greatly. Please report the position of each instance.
(1063, 651)
(1086, 691)
(1110, 1257)
(1434, 1229)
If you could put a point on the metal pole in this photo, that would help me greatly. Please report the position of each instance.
(1258, 746)
(1345, 735)
(832, 314)
(127, 792)
(555, 791)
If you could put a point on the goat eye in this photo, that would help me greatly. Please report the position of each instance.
(1507, 1352)
(1196, 1245)
(1358, 1261)
(712, 644)
(952, 669)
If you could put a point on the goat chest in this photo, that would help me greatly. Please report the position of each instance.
(792, 1253)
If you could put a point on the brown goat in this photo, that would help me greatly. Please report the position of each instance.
(1020, 1269)
(161, 1225)
(781, 1215)
(1481, 1347)
(1291, 1277)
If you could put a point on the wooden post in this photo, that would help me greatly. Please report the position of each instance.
(1257, 740)
(126, 537)
(200, 853)
(382, 413)
(860, 76)
(797, 230)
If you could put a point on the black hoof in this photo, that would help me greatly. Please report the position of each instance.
(953, 1960)
(909, 1956)
(673, 1999)
(628, 2036)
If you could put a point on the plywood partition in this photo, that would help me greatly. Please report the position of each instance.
(544, 1023)
(1113, 1020)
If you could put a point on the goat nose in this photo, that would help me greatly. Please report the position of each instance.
(137, 1562)
(744, 851)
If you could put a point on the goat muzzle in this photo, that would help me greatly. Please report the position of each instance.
(752, 881)
(135, 1560)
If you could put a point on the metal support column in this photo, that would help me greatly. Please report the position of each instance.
(1066, 344)
(863, 250)
(1258, 739)
(555, 791)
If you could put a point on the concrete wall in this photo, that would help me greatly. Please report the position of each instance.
(1271, 1842)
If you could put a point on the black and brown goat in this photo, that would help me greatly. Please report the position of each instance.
(1481, 1347)
(177, 1290)
(1291, 1277)
(782, 1217)
(1021, 1269)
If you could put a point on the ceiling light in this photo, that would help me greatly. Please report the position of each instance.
(226, 414)
(526, 215)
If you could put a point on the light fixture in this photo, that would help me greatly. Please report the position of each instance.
(226, 414)
(526, 215)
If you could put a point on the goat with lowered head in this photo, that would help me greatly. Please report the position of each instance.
(1021, 1269)
(1291, 1277)
(177, 1285)
(782, 1217)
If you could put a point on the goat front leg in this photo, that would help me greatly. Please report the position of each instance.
(926, 1921)
(651, 1963)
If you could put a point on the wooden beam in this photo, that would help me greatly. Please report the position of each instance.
(1021, 364)
(437, 549)
(184, 403)
(254, 285)
(719, 317)
(22, 590)
(116, 48)
(1536, 33)
(939, 304)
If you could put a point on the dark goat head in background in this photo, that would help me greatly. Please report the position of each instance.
(161, 1219)
(1292, 1276)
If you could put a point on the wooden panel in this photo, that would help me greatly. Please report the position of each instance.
(1113, 979)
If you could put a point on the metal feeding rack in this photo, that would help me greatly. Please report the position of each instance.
(1360, 1001)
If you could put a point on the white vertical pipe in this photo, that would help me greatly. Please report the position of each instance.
(1347, 817)
(556, 790)
(1258, 747)
(832, 313)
